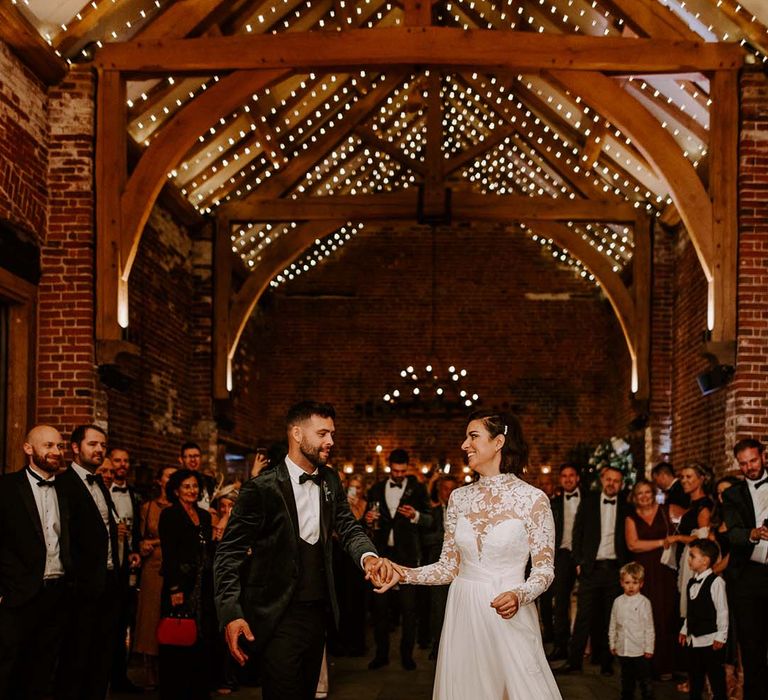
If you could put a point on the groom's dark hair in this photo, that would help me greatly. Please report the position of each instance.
(304, 410)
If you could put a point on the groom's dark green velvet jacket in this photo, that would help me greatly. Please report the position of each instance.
(257, 562)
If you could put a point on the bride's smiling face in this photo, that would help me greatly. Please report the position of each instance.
(482, 450)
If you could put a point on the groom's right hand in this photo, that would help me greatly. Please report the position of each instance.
(232, 633)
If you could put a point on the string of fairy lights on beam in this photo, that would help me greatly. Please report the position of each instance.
(561, 255)
(321, 250)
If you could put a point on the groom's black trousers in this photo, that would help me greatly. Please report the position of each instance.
(290, 663)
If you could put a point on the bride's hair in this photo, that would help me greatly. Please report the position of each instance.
(514, 451)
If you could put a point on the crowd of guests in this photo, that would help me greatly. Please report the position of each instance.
(89, 568)
(690, 554)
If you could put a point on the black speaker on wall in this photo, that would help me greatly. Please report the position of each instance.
(714, 379)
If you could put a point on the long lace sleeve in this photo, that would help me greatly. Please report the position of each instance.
(540, 527)
(445, 569)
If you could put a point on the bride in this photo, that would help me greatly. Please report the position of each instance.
(491, 646)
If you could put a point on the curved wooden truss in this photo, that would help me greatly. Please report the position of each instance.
(573, 62)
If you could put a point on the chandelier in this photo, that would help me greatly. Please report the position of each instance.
(433, 390)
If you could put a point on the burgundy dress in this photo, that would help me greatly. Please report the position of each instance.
(660, 588)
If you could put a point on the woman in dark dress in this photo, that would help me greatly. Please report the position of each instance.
(646, 530)
(185, 539)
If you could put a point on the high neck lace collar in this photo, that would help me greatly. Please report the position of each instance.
(493, 478)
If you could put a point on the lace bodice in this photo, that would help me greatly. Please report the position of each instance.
(494, 525)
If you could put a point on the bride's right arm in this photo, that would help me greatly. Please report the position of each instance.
(445, 569)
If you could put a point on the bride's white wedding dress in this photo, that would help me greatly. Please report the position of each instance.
(491, 527)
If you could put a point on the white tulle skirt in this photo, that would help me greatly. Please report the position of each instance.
(482, 656)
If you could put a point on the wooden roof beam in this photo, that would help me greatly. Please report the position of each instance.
(403, 205)
(391, 149)
(417, 13)
(25, 41)
(443, 46)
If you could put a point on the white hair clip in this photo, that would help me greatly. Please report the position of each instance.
(505, 429)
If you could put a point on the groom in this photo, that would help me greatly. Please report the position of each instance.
(273, 573)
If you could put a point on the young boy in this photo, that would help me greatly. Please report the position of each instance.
(631, 634)
(705, 629)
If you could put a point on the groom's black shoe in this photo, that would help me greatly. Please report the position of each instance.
(408, 664)
(377, 662)
(557, 655)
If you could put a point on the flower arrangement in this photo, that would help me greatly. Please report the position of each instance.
(614, 453)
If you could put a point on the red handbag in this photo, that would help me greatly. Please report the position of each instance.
(177, 630)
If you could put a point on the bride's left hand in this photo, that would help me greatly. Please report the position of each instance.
(506, 604)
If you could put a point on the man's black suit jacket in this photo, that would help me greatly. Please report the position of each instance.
(586, 531)
(558, 513)
(407, 539)
(739, 517)
(89, 537)
(22, 543)
(256, 567)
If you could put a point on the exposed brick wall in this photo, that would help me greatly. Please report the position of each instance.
(67, 383)
(154, 414)
(23, 145)
(748, 409)
(344, 331)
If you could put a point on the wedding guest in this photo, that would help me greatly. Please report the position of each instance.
(631, 633)
(148, 609)
(403, 508)
(705, 629)
(564, 507)
(126, 502)
(185, 538)
(745, 509)
(600, 550)
(106, 470)
(35, 567)
(663, 475)
(86, 656)
(191, 457)
(646, 529)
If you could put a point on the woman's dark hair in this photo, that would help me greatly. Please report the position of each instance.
(717, 514)
(514, 451)
(175, 481)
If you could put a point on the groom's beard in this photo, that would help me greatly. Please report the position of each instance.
(314, 455)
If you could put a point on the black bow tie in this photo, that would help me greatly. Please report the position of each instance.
(395, 485)
(314, 478)
(93, 479)
(569, 496)
(119, 489)
(758, 484)
(609, 501)
(39, 479)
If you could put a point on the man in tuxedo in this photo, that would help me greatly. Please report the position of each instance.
(127, 506)
(564, 509)
(397, 507)
(86, 658)
(35, 567)
(191, 457)
(745, 509)
(273, 568)
(664, 478)
(599, 551)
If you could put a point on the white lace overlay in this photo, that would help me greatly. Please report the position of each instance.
(491, 527)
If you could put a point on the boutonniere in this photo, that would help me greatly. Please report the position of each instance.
(326, 493)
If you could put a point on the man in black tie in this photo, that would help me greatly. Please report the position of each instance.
(564, 509)
(599, 550)
(86, 659)
(397, 507)
(127, 506)
(35, 568)
(745, 510)
(273, 569)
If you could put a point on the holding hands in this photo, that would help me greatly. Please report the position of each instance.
(382, 573)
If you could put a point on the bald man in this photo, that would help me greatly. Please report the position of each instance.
(35, 567)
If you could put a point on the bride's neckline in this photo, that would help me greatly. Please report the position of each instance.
(494, 478)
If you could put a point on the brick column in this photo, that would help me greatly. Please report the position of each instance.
(747, 408)
(68, 387)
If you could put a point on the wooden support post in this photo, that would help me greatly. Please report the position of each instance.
(433, 205)
(222, 292)
(418, 13)
(723, 172)
(642, 273)
(111, 173)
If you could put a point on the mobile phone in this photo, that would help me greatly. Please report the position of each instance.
(352, 492)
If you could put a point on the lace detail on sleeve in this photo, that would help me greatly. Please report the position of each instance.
(445, 569)
(540, 527)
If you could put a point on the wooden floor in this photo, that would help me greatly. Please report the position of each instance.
(351, 680)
